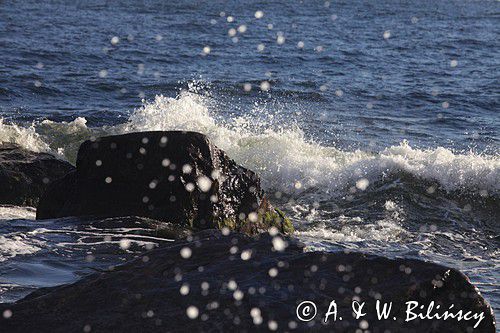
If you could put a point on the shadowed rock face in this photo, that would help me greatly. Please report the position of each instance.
(175, 176)
(237, 283)
(25, 175)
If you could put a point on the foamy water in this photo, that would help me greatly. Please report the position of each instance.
(355, 229)
(17, 243)
(281, 153)
(26, 137)
(8, 212)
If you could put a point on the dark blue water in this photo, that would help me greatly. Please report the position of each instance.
(393, 88)
(374, 124)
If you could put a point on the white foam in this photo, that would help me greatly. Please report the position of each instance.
(17, 212)
(452, 171)
(346, 229)
(17, 244)
(286, 160)
(66, 137)
(26, 137)
(13, 245)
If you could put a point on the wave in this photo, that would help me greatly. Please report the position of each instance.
(279, 151)
(26, 137)
(9, 212)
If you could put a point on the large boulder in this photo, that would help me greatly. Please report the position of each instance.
(178, 177)
(234, 283)
(25, 175)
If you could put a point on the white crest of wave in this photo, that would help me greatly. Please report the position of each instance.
(66, 137)
(288, 161)
(281, 153)
(452, 171)
(26, 137)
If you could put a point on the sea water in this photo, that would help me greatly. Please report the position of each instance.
(374, 125)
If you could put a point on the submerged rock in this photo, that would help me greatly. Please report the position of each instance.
(212, 282)
(25, 175)
(179, 177)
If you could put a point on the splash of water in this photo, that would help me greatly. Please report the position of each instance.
(280, 153)
(26, 137)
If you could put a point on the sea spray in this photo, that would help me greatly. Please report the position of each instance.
(280, 152)
(26, 137)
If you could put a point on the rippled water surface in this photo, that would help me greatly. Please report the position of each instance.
(374, 124)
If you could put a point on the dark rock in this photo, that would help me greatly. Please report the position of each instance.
(178, 177)
(237, 283)
(25, 175)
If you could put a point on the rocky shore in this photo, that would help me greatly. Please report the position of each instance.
(26, 175)
(235, 265)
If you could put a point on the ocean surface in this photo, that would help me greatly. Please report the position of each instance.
(374, 124)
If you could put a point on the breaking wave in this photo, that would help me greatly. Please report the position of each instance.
(26, 137)
(281, 153)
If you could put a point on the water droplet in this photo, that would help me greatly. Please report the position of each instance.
(186, 252)
(192, 312)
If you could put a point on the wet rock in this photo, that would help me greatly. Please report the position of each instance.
(179, 177)
(25, 175)
(212, 282)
